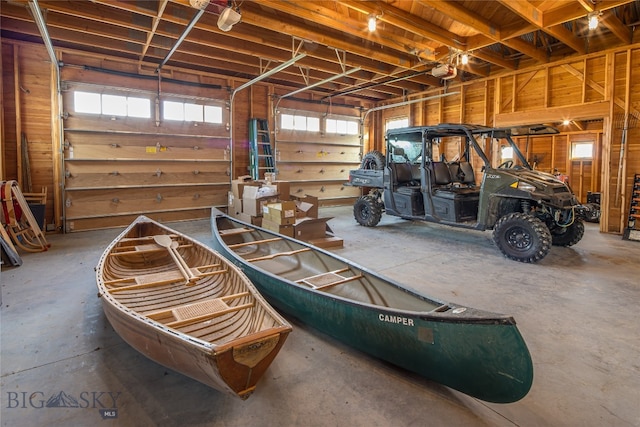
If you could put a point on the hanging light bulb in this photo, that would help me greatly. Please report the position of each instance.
(593, 18)
(464, 59)
(372, 23)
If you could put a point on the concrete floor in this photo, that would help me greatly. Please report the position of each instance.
(577, 310)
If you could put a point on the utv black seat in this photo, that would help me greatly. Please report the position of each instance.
(462, 173)
(405, 179)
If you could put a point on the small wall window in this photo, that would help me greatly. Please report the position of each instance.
(582, 150)
(173, 110)
(341, 127)
(193, 113)
(212, 114)
(189, 112)
(299, 122)
(506, 153)
(111, 105)
(139, 107)
(400, 122)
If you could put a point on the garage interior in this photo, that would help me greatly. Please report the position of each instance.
(182, 87)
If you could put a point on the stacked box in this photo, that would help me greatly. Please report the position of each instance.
(252, 202)
(306, 206)
(310, 228)
(286, 229)
(281, 213)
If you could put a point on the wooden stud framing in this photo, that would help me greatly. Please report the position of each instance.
(18, 110)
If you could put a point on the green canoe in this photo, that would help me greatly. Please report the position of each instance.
(479, 353)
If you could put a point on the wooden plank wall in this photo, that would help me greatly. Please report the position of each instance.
(119, 167)
(107, 172)
(317, 163)
(26, 89)
(595, 91)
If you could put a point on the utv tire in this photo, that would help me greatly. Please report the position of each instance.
(367, 211)
(593, 212)
(522, 237)
(373, 160)
(568, 236)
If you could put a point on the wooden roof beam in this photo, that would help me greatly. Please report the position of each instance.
(408, 22)
(575, 9)
(189, 55)
(567, 37)
(329, 18)
(207, 26)
(534, 16)
(490, 31)
(154, 27)
(262, 20)
(621, 31)
(493, 58)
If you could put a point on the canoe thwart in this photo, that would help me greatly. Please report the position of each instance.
(233, 231)
(288, 253)
(146, 281)
(254, 242)
(327, 280)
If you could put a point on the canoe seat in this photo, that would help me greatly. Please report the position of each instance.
(199, 309)
(329, 279)
(322, 279)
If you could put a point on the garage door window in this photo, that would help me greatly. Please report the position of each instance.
(111, 105)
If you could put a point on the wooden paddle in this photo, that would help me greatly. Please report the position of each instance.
(168, 243)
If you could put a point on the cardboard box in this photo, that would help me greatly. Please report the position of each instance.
(238, 184)
(234, 205)
(283, 212)
(282, 188)
(252, 203)
(255, 220)
(329, 242)
(310, 228)
(286, 229)
(244, 217)
(306, 206)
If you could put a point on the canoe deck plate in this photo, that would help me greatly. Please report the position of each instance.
(323, 279)
(197, 309)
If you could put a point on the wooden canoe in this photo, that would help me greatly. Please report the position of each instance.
(478, 353)
(187, 308)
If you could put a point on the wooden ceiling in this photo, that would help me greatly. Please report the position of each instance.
(396, 60)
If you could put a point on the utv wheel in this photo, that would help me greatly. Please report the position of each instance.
(568, 236)
(373, 160)
(367, 211)
(522, 237)
(593, 212)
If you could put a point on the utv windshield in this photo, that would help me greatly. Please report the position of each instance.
(405, 147)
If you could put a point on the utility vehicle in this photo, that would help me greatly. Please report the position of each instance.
(528, 210)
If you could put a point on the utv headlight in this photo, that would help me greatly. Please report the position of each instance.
(525, 186)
